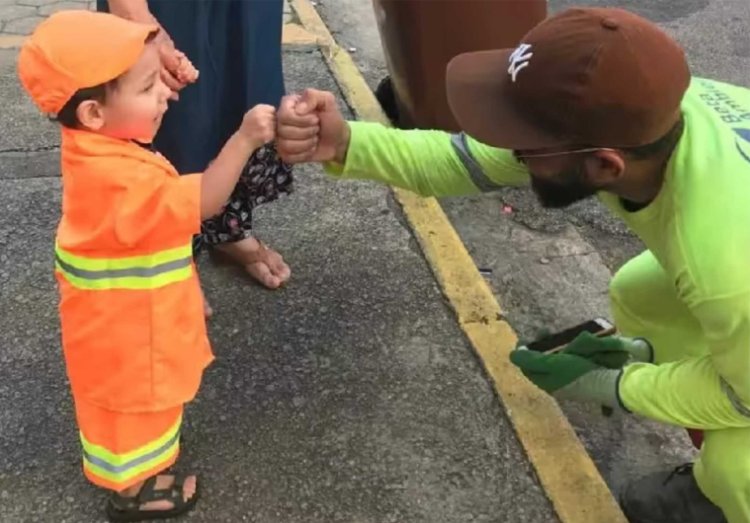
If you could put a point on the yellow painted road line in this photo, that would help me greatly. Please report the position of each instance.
(565, 470)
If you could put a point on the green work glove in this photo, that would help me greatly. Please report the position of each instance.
(551, 372)
(570, 376)
(611, 352)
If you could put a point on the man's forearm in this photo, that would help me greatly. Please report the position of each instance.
(420, 161)
(135, 10)
(428, 162)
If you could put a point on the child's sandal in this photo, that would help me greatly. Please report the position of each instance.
(121, 509)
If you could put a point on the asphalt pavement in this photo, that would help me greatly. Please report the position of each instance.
(350, 396)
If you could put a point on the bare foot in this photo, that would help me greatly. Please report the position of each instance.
(263, 264)
(163, 482)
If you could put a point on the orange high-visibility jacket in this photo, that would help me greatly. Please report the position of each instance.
(133, 330)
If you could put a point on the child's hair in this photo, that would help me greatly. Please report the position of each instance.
(68, 115)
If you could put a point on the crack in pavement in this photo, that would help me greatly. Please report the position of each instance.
(568, 255)
(484, 320)
(558, 256)
(39, 177)
(40, 149)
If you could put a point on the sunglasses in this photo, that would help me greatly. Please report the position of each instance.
(521, 158)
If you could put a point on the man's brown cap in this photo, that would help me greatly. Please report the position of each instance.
(587, 76)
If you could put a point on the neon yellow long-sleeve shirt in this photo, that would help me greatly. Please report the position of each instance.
(698, 228)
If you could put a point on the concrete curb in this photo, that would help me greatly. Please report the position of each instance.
(565, 470)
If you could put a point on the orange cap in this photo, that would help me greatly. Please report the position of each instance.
(73, 50)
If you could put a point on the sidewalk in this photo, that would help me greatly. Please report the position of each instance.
(351, 396)
(19, 17)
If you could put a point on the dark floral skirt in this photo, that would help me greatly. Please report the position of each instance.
(263, 180)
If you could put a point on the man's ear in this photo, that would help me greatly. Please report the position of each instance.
(604, 168)
(91, 114)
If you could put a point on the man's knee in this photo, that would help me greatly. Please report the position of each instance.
(641, 290)
(618, 288)
(624, 291)
(644, 303)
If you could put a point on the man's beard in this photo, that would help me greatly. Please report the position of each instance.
(571, 187)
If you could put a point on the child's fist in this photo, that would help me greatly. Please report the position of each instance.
(259, 124)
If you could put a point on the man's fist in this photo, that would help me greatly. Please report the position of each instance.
(311, 128)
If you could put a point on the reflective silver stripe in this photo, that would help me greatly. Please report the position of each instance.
(735, 400)
(141, 272)
(461, 146)
(119, 469)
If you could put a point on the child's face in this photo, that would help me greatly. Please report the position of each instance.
(135, 106)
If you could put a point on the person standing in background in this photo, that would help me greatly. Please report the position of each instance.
(236, 46)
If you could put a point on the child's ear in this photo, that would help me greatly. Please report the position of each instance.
(91, 115)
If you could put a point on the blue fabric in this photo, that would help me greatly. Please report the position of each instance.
(236, 46)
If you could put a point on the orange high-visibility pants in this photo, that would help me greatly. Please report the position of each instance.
(121, 449)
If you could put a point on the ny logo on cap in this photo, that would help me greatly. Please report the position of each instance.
(518, 60)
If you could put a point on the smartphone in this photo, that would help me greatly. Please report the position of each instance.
(557, 341)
